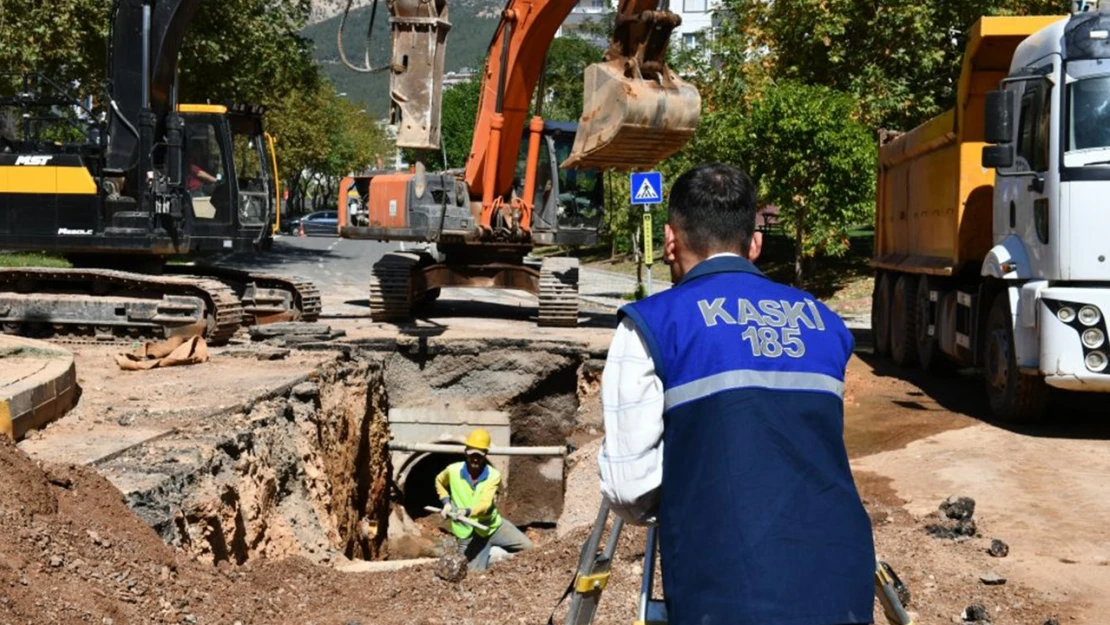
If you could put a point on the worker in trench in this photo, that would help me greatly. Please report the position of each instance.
(723, 402)
(470, 489)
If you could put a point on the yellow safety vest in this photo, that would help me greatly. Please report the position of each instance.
(464, 496)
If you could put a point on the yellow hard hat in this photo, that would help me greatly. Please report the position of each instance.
(478, 439)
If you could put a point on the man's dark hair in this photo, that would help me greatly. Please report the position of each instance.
(713, 206)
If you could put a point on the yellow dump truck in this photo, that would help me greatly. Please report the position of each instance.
(992, 219)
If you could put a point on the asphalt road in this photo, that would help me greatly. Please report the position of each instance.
(340, 268)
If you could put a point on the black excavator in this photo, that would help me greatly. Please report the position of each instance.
(121, 187)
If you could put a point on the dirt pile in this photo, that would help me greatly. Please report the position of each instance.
(76, 554)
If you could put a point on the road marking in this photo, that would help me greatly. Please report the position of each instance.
(333, 244)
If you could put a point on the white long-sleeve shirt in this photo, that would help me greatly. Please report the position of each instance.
(630, 462)
(631, 458)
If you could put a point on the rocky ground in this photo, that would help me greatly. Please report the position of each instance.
(76, 554)
(275, 458)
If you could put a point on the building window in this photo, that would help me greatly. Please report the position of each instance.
(694, 6)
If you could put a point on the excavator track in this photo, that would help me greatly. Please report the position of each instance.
(559, 293)
(266, 298)
(104, 305)
(391, 287)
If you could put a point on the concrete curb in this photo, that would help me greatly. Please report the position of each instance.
(38, 385)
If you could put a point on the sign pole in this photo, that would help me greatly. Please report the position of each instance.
(647, 189)
(649, 253)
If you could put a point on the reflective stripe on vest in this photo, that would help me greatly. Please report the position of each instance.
(464, 496)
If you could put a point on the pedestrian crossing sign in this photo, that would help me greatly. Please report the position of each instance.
(647, 187)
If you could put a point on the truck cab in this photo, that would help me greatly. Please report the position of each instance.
(1048, 126)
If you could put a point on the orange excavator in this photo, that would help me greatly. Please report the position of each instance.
(485, 220)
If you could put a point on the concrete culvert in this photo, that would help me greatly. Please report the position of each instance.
(416, 481)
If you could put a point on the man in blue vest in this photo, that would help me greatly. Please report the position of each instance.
(724, 417)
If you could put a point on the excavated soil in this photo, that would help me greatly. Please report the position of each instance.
(281, 471)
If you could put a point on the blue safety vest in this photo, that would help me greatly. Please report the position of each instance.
(760, 521)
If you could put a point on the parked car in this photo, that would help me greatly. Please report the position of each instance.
(319, 223)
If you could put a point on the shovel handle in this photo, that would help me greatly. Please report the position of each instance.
(459, 518)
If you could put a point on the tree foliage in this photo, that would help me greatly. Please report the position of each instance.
(807, 153)
(321, 134)
(235, 50)
(567, 58)
(460, 109)
(247, 50)
(901, 59)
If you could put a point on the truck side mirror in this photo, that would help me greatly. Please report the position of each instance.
(998, 156)
(998, 122)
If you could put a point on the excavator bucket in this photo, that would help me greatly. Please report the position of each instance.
(632, 123)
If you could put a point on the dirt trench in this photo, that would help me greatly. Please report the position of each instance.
(274, 479)
(548, 389)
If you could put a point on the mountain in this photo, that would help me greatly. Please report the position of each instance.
(473, 23)
(324, 9)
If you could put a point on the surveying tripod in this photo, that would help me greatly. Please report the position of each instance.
(594, 569)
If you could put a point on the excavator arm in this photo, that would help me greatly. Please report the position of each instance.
(146, 42)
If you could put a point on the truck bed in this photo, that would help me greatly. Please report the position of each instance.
(933, 197)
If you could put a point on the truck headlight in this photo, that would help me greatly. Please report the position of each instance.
(1089, 315)
(1095, 361)
(1065, 314)
(1093, 338)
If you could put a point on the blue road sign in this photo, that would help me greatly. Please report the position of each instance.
(647, 188)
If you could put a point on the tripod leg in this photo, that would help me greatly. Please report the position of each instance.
(651, 611)
(593, 570)
(885, 582)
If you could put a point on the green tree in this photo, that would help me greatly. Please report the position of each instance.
(321, 138)
(64, 39)
(808, 155)
(567, 58)
(901, 59)
(247, 50)
(457, 116)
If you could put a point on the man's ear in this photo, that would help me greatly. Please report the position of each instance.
(756, 247)
(670, 239)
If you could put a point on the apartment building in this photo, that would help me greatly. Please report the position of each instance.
(697, 20)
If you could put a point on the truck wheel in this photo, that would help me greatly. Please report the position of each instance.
(880, 314)
(1015, 397)
(929, 355)
(903, 321)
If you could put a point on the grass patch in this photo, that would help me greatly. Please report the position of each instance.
(29, 352)
(32, 259)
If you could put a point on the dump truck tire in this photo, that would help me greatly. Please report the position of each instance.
(1015, 397)
(903, 322)
(929, 355)
(880, 314)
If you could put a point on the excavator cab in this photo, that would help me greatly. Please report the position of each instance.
(228, 176)
(569, 203)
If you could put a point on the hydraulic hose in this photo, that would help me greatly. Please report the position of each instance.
(366, 68)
